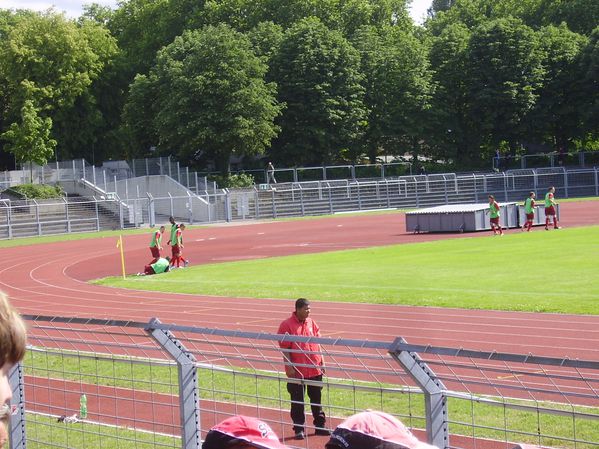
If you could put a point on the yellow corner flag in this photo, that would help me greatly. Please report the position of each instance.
(119, 244)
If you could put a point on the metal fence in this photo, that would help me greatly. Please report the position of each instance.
(137, 209)
(88, 383)
(554, 159)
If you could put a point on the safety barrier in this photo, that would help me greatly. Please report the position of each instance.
(104, 383)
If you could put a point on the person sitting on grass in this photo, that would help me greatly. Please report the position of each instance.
(13, 340)
(374, 430)
(242, 432)
(162, 265)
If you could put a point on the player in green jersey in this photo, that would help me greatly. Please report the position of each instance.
(494, 216)
(529, 209)
(550, 211)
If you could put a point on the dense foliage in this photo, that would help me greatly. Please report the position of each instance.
(37, 191)
(299, 82)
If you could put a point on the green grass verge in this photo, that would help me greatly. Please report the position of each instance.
(539, 271)
(340, 398)
(44, 432)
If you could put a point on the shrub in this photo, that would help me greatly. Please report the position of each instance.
(237, 181)
(37, 191)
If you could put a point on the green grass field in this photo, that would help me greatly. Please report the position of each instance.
(539, 271)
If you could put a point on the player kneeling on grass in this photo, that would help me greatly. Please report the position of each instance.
(494, 216)
(242, 432)
(162, 265)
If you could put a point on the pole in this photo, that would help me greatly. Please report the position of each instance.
(120, 245)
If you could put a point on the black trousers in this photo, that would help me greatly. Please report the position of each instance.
(296, 391)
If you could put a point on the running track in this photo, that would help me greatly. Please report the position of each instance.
(51, 279)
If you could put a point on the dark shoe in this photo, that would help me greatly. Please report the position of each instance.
(322, 431)
(299, 435)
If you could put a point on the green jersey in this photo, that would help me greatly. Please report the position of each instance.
(160, 265)
(529, 205)
(156, 239)
(173, 238)
(494, 209)
(549, 199)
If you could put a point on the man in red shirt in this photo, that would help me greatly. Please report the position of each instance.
(303, 361)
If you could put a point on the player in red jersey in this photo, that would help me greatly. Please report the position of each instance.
(550, 209)
(178, 248)
(494, 216)
(156, 244)
(529, 209)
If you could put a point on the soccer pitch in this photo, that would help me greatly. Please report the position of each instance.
(539, 271)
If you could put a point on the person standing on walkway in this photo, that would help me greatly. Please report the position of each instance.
(156, 244)
(550, 209)
(303, 362)
(13, 340)
(529, 210)
(494, 216)
(270, 173)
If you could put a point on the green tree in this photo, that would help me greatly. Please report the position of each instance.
(589, 86)
(505, 74)
(210, 97)
(398, 88)
(29, 140)
(53, 61)
(455, 131)
(556, 117)
(319, 78)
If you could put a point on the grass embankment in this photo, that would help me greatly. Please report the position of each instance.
(539, 271)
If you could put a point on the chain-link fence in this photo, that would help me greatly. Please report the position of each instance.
(89, 383)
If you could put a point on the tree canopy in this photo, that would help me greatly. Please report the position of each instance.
(302, 81)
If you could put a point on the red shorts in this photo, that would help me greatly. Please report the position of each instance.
(530, 216)
(549, 211)
(155, 252)
(495, 221)
(176, 251)
(149, 270)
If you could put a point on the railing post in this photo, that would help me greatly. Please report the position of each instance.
(256, 202)
(97, 207)
(330, 198)
(596, 181)
(121, 217)
(228, 211)
(151, 210)
(566, 183)
(302, 201)
(17, 435)
(37, 217)
(190, 207)
(83, 168)
(172, 205)
(435, 403)
(274, 205)
(66, 214)
(189, 407)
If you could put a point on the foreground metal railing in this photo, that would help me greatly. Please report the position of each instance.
(104, 383)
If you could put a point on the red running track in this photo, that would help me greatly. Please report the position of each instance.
(51, 279)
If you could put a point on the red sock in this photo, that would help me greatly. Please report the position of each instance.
(555, 221)
(529, 225)
(547, 222)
